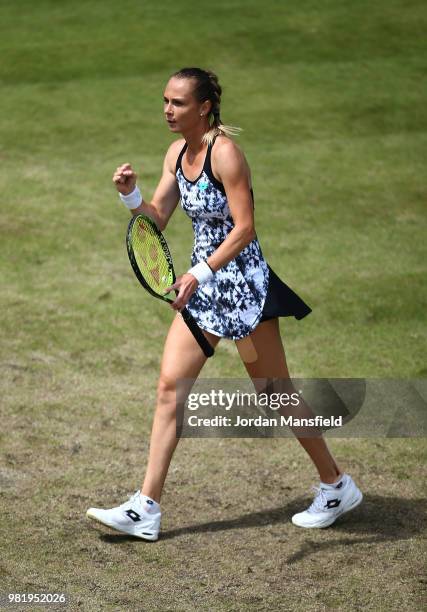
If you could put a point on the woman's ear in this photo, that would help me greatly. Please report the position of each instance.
(205, 108)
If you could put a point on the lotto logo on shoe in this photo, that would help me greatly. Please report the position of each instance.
(134, 516)
(333, 503)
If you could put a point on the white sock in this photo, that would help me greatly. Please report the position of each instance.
(335, 485)
(149, 505)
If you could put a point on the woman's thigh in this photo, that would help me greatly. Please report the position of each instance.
(262, 352)
(182, 356)
(269, 371)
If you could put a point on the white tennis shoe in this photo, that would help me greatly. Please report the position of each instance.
(140, 516)
(329, 503)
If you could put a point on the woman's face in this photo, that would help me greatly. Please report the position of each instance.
(182, 110)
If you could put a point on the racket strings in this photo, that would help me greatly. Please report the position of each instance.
(150, 257)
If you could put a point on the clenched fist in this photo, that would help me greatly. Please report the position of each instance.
(124, 179)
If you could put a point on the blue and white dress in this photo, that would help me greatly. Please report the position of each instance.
(244, 292)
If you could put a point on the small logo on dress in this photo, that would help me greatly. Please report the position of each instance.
(203, 185)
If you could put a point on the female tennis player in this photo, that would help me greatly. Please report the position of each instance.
(230, 291)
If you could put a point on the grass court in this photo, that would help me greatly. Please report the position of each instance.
(332, 100)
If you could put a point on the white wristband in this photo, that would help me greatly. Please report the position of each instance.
(201, 271)
(132, 200)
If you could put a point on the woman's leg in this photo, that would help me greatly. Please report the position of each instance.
(182, 358)
(264, 357)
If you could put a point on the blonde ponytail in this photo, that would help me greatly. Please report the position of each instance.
(218, 128)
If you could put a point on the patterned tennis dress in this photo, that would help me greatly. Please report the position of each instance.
(244, 292)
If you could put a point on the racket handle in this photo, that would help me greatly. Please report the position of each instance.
(197, 333)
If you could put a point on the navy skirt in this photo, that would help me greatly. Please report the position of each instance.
(281, 301)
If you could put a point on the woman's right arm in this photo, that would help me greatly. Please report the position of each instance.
(166, 195)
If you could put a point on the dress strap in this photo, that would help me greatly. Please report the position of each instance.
(207, 167)
(178, 161)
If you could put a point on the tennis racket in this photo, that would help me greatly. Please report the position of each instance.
(151, 261)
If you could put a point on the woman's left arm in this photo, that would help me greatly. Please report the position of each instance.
(231, 168)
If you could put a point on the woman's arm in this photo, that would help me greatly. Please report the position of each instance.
(166, 195)
(232, 170)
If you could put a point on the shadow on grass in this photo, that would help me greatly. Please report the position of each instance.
(377, 519)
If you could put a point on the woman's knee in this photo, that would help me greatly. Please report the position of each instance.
(166, 393)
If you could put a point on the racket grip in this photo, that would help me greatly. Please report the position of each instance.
(197, 333)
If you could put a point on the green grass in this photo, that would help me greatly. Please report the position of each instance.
(332, 100)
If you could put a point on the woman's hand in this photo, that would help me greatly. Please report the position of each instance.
(186, 285)
(124, 179)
